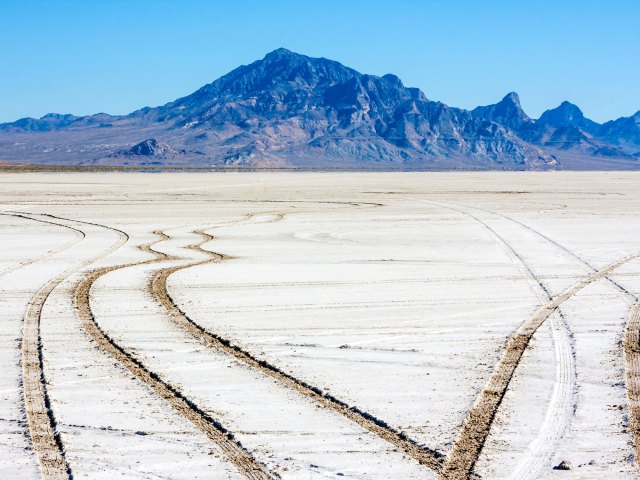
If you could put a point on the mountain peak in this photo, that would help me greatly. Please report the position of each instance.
(393, 79)
(566, 110)
(507, 112)
(151, 147)
(281, 78)
(57, 116)
(511, 97)
(567, 115)
(571, 108)
(280, 53)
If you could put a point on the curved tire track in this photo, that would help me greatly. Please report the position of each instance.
(79, 237)
(212, 428)
(158, 288)
(41, 421)
(464, 454)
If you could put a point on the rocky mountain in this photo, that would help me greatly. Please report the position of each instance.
(148, 152)
(290, 110)
(506, 112)
(624, 133)
(567, 115)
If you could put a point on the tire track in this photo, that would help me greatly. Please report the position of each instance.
(466, 449)
(563, 397)
(561, 406)
(527, 467)
(209, 426)
(79, 237)
(574, 255)
(631, 346)
(41, 420)
(158, 288)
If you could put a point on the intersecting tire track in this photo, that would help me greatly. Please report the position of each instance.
(244, 461)
(158, 288)
(563, 395)
(577, 257)
(467, 447)
(459, 456)
(527, 468)
(631, 334)
(41, 421)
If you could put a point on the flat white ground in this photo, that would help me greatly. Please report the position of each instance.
(396, 293)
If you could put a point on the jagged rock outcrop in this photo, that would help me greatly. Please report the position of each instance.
(149, 148)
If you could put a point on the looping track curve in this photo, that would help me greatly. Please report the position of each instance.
(211, 427)
(158, 287)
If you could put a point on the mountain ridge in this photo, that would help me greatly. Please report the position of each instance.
(291, 110)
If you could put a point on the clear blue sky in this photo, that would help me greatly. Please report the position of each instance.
(115, 56)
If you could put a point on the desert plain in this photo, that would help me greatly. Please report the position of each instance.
(319, 325)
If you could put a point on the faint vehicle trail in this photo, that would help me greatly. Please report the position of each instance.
(40, 418)
(560, 409)
(79, 236)
(529, 467)
(467, 447)
(563, 398)
(158, 288)
(562, 401)
(542, 448)
(577, 257)
(211, 427)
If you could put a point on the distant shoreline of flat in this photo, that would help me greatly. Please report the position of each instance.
(27, 168)
(103, 168)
